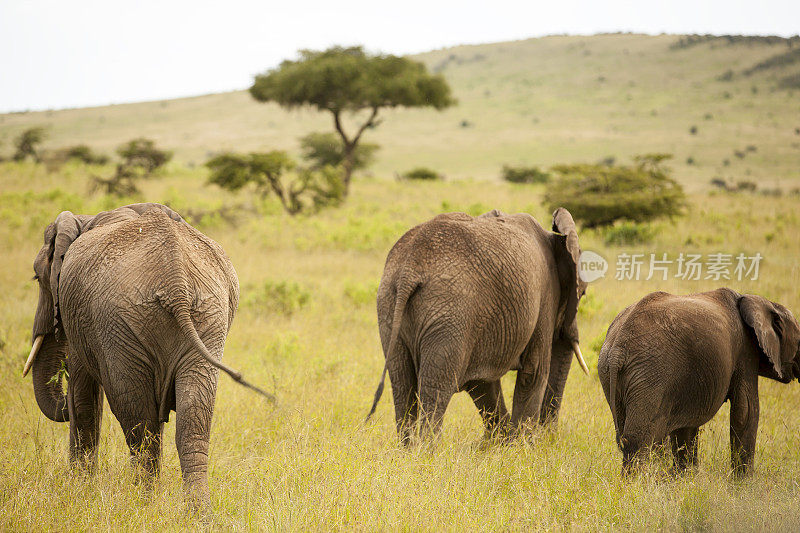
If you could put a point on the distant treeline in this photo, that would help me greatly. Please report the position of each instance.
(781, 60)
(687, 41)
(777, 61)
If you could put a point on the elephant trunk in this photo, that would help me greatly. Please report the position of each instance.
(48, 378)
(560, 363)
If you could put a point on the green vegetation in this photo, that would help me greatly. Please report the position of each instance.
(284, 297)
(84, 154)
(524, 174)
(421, 174)
(599, 195)
(349, 80)
(322, 149)
(628, 233)
(298, 189)
(140, 160)
(142, 153)
(27, 144)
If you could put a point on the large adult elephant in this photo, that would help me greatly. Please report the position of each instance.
(669, 362)
(463, 300)
(135, 303)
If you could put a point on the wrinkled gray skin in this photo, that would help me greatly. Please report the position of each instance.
(125, 295)
(669, 362)
(463, 300)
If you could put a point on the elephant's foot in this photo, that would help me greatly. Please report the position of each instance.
(83, 461)
(196, 492)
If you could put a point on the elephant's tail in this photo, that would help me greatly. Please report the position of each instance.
(404, 292)
(186, 325)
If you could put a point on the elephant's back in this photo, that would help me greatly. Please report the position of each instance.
(457, 242)
(476, 280)
(144, 259)
(678, 347)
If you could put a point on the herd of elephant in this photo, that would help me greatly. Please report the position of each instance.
(136, 305)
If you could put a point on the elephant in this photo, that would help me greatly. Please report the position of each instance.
(134, 303)
(669, 362)
(462, 301)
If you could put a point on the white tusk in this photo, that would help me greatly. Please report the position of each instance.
(579, 356)
(37, 343)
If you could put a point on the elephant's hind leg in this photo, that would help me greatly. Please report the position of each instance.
(644, 431)
(531, 383)
(684, 448)
(138, 416)
(195, 392)
(488, 398)
(85, 404)
(440, 367)
(404, 393)
(744, 425)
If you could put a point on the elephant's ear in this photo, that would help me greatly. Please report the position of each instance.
(568, 253)
(760, 314)
(62, 233)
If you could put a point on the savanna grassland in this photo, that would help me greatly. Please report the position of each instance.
(306, 326)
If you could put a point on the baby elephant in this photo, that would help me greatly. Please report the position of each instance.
(669, 363)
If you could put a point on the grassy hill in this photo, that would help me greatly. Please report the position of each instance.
(306, 327)
(539, 101)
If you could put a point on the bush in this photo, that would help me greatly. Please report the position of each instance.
(85, 154)
(322, 149)
(27, 144)
(746, 186)
(361, 293)
(720, 183)
(284, 297)
(140, 159)
(629, 233)
(524, 174)
(790, 82)
(422, 173)
(598, 195)
(298, 189)
(141, 153)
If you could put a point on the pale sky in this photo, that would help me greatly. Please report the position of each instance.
(57, 53)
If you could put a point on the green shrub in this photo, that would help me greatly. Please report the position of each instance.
(140, 160)
(524, 174)
(422, 173)
(142, 153)
(85, 154)
(275, 173)
(628, 233)
(598, 195)
(361, 293)
(284, 297)
(27, 144)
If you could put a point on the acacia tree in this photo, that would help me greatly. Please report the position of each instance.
(349, 80)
